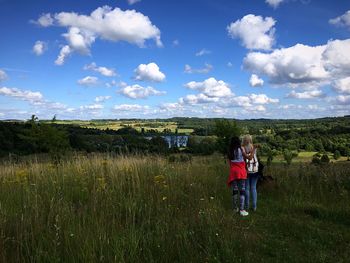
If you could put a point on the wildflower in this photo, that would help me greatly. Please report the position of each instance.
(101, 184)
(202, 199)
(212, 197)
(158, 179)
(21, 175)
(164, 198)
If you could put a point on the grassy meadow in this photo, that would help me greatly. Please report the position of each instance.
(102, 208)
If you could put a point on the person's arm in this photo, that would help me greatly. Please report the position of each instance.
(248, 156)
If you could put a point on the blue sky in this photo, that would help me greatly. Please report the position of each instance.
(158, 59)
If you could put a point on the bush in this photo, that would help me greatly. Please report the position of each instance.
(324, 158)
(336, 155)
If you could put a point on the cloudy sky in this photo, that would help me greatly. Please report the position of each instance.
(156, 59)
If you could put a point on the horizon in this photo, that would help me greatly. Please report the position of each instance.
(145, 59)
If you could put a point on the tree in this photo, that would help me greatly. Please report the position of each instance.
(324, 158)
(289, 155)
(225, 130)
(336, 155)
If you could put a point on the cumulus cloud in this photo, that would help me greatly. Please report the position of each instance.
(197, 99)
(88, 81)
(229, 64)
(255, 81)
(310, 94)
(45, 20)
(262, 99)
(102, 98)
(25, 95)
(91, 107)
(105, 23)
(211, 87)
(203, 52)
(39, 48)
(131, 2)
(108, 72)
(343, 20)
(302, 65)
(138, 92)
(3, 75)
(274, 3)
(64, 53)
(207, 68)
(130, 107)
(342, 85)
(255, 32)
(149, 72)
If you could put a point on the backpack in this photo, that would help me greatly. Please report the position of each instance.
(253, 164)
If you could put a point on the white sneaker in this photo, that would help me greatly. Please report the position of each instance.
(243, 213)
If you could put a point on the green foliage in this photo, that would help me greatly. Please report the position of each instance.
(336, 155)
(225, 130)
(289, 156)
(324, 158)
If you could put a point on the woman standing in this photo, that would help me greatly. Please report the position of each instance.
(252, 169)
(238, 174)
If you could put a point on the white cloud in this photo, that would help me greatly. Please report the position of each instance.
(262, 99)
(65, 52)
(255, 32)
(130, 107)
(88, 81)
(79, 40)
(171, 106)
(207, 68)
(45, 20)
(203, 52)
(343, 99)
(311, 94)
(131, 2)
(39, 48)
(26, 95)
(3, 75)
(149, 72)
(105, 23)
(197, 99)
(211, 87)
(302, 65)
(342, 85)
(91, 107)
(139, 92)
(229, 64)
(108, 72)
(343, 20)
(102, 98)
(274, 3)
(255, 81)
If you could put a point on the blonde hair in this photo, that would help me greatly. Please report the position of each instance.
(247, 140)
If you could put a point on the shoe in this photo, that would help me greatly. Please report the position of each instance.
(243, 213)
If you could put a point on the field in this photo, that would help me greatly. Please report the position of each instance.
(148, 125)
(101, 208)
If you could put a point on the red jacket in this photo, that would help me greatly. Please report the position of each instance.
(237, 171)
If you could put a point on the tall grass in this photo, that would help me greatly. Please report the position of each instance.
(145, 209)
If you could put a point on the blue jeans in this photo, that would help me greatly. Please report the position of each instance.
(251, 188)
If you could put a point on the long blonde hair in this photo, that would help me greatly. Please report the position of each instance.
(247, 141)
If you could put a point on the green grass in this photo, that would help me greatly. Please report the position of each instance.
(144, 209)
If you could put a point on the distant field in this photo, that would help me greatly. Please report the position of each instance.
(303, 157)
(159, 126)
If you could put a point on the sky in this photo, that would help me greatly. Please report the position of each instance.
(113, 59)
